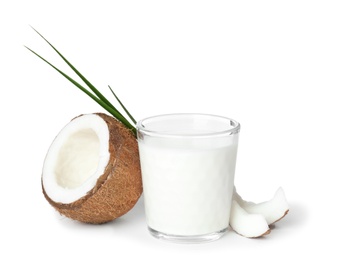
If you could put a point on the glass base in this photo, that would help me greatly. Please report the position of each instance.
(188, 239)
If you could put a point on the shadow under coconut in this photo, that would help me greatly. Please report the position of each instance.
(296, 217)
(133, 222)
(135, 215)
(132, 225)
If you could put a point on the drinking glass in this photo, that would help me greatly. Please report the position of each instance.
(188, 167)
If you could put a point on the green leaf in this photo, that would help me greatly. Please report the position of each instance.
(97, 93)
(110, 109)
(130, 116)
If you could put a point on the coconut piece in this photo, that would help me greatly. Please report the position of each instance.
(246, 224)
(91, 172)
(273, 210)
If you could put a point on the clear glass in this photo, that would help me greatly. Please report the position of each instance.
(188, 166)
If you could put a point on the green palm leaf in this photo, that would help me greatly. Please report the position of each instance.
(105, 104)
(130, 116)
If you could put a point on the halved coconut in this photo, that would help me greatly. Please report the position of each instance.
(273, 210)
(246, 224)
(91, 172)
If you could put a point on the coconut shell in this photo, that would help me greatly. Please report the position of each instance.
(118, 189)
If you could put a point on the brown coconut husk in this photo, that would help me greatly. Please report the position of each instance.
(118, 189)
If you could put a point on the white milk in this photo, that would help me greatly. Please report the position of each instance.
(188, 184)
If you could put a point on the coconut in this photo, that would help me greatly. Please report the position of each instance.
(273, 210)
(91, 172)
(251, 219)
(247, 224)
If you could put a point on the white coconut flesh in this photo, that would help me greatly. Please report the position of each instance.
(272, 210)
(247, 224)
(76, 159)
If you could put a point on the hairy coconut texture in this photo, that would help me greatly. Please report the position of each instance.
(119, 187)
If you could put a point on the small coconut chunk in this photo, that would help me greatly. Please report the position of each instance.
(273, 210)
(246, 224)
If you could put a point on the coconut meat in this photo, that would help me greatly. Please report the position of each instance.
(247, 224)
(76, 159)
(273, 210)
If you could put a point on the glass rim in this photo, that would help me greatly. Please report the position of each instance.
(233, 129)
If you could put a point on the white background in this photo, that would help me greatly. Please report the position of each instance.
(275, 66)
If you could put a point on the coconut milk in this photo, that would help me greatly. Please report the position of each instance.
(188, 185)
